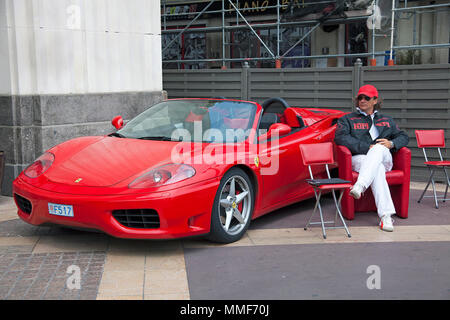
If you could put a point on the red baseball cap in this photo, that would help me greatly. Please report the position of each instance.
(369, 90)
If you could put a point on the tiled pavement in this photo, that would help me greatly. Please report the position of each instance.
(44, 275)
(276, 259)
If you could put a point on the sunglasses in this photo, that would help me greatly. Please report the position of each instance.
(360, 97)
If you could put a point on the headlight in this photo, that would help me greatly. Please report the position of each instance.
(40, 165)
(164, 175)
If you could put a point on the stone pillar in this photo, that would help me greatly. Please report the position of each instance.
(68, 67)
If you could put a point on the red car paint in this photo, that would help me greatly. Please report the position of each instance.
(93, 173)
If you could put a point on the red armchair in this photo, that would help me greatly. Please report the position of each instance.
(398, 180)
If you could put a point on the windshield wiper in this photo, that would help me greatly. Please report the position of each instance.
(115, 134)
(162, 138)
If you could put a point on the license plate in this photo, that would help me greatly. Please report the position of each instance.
(60, 209)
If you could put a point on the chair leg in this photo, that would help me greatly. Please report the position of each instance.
(314, 211)
(445, 195)
(426, 187)
(338, 204)
(430, 179)
(434, 191)
(322, 222)
(335, 201)
(321, 219)
(320, 213)
(448, 184)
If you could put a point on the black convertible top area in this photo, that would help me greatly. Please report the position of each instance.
(275, 105)
(274, 110)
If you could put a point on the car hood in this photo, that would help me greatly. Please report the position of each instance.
(107, 161)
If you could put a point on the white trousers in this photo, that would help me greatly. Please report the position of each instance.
(372, 169)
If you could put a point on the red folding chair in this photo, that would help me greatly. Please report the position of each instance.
(433, 139)
(322, 154)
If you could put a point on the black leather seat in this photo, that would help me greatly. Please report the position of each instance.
(267, 120)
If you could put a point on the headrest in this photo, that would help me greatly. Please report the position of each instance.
(293, 119)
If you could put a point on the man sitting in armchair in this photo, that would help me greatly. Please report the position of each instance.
(371, 137)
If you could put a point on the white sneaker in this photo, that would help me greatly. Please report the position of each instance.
(356, 191)
(386, 223)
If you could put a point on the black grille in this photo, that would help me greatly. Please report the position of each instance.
(24, 204)
(137, 218)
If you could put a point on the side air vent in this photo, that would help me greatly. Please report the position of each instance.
(24, 204)
(137, 218)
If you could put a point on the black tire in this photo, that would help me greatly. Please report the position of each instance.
(236, 229)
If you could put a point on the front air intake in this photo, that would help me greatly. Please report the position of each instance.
(137, 218)
(23, 204)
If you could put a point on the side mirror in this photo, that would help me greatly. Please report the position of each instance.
(117, 122)
(279, 129)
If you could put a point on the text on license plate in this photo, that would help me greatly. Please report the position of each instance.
(60, 209)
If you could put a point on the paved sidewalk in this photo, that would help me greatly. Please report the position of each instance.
(43, 275)
(276, 259)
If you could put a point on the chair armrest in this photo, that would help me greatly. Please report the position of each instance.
(344, 162)
(402, 161)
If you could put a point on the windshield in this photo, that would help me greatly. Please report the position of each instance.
(193, 120)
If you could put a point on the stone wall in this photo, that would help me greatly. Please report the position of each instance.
(29, 125)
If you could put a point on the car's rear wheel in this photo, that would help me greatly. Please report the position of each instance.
(233, 207)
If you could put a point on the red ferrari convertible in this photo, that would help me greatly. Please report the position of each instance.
(183, 167)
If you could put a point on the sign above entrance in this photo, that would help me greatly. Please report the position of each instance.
(188, 10)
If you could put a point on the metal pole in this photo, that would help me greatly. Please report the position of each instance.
(423, 46)
(253, 30)
(414, 35)
(345, 55)
(285, 58)
(303, 46)
(278, 28)
(424, 7)
(374, 5)
(189, 24)
(391, 62)
(335, 56)
(237, 15)
(373, 31)
(164, 15)
(223, 34)
(269, 25)
(278, 61)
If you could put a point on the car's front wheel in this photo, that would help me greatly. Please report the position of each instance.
(233, 207)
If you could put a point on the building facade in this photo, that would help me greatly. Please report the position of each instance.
(341, 30)
(68, 67)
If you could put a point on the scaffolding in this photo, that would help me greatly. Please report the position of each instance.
(331, 18)
(416, 10)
